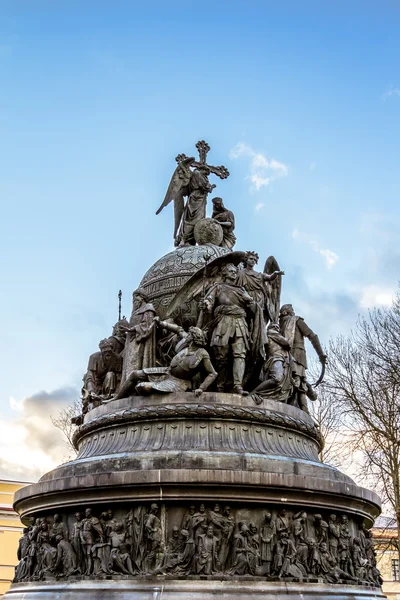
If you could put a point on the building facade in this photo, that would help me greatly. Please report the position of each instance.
(10, 532)
(387, 555)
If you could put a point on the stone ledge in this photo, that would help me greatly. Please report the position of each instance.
(182, 484)
(216, 589)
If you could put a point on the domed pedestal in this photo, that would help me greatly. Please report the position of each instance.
(166, 277)
(167, 467)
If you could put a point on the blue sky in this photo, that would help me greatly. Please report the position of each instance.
(300, 100)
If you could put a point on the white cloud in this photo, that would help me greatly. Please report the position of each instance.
(262, 169)
(259, 182)
(374, 295)
(30, 444)
(16, 405)
(392, 91)
(330, 257)
(259, 206)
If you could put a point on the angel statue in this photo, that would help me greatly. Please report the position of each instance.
(264, 288)
(194, 185)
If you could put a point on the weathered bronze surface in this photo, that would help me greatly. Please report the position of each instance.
(195, 186)
(198, 474)
(199, 539)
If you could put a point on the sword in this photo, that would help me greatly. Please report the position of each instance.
(321, 377)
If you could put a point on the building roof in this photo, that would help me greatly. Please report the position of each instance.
(15, 482)
(383, 522)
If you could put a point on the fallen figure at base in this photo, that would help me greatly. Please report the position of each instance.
(187, 367)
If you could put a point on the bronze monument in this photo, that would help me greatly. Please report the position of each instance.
(197, 474)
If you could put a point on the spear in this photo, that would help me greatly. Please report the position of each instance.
(119, 304)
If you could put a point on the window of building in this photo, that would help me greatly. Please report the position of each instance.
(396, 569)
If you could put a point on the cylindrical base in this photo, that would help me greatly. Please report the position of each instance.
(195, 499)
(173, 589)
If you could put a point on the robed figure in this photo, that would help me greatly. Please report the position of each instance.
(140, 346)
(193, 185)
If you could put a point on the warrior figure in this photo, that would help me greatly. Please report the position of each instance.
(295, 329)
(90, 534)
(277, 376)
(230, 304)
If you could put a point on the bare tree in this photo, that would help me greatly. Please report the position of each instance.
(329, 420)
(62, 420)
(364, 381)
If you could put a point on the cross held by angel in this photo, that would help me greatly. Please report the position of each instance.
(195, 186)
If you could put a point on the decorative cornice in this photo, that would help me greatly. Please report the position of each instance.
(197, 411)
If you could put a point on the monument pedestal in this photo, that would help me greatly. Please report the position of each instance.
(216, 589)
(153, 461)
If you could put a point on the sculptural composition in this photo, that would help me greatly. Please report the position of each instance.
(210, 541)
(248, 345)
(243, 350)
(196, 187)
(198, 470)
